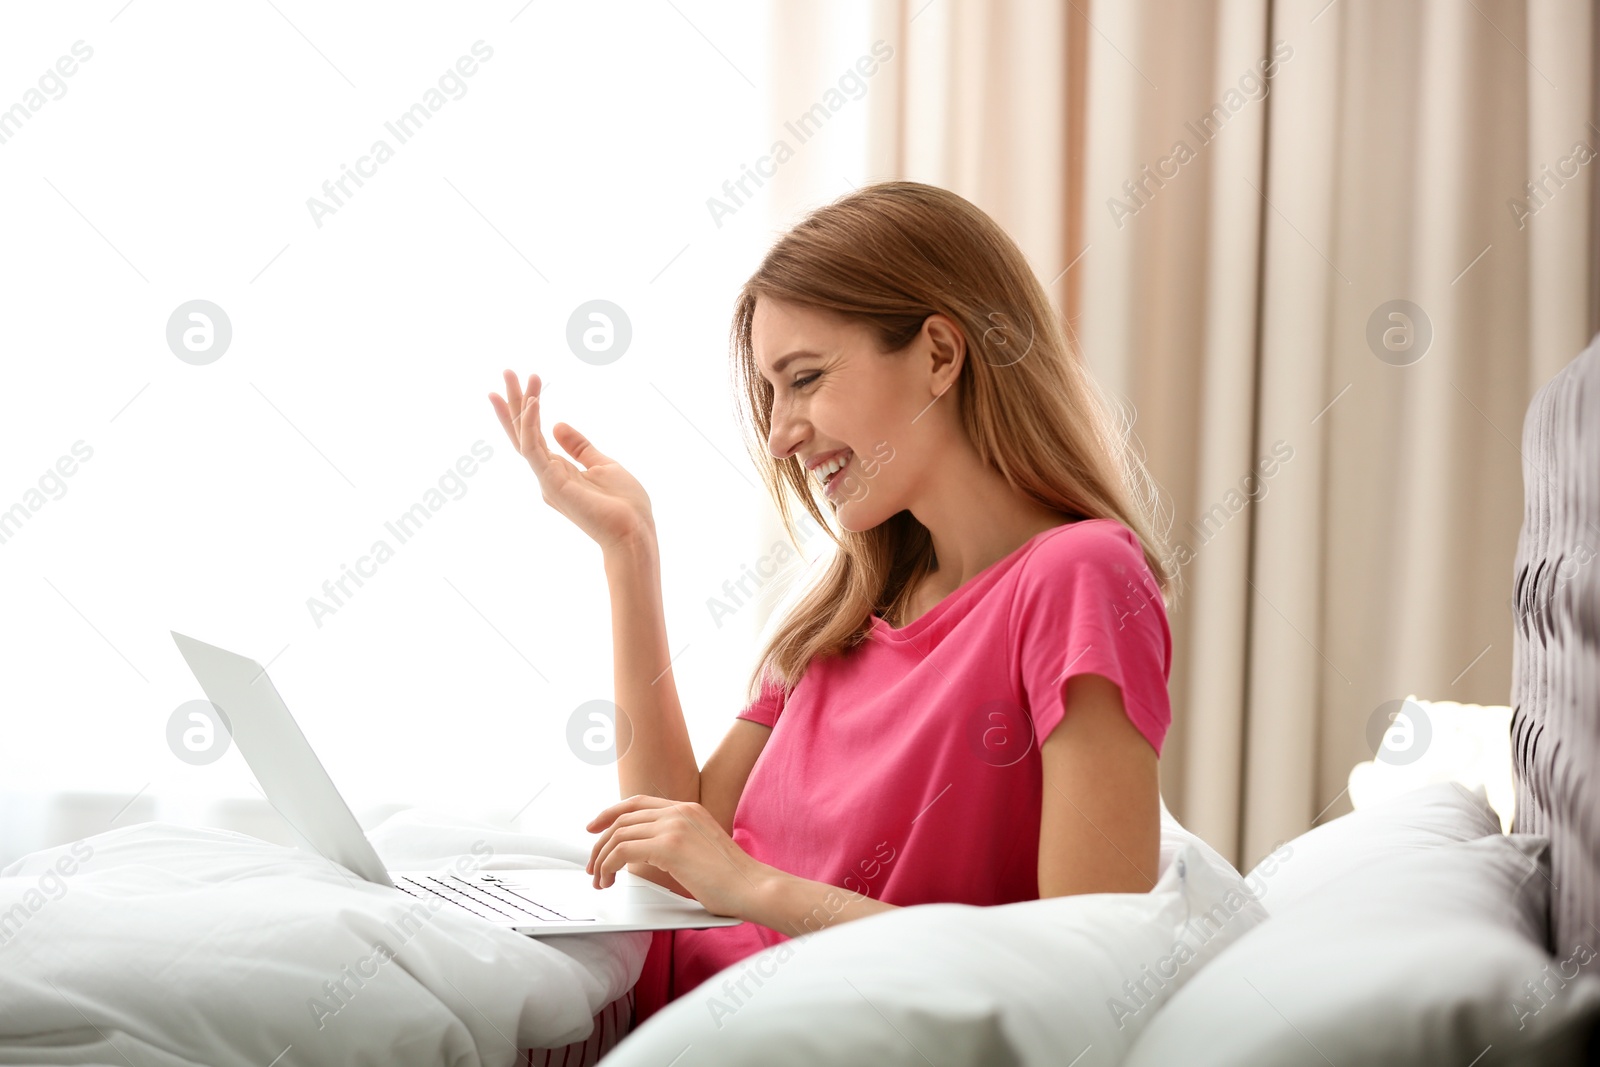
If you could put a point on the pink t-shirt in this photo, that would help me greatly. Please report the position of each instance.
(908, 769)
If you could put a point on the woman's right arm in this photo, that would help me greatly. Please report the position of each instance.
(660, 743)
(608, 504)
(655, 756)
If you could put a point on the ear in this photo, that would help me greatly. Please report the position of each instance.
(947, 349)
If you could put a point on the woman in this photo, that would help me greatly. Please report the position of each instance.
(969, 705)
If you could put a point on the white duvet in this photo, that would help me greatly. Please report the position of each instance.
(167, 945)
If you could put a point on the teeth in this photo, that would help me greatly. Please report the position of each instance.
(828, 469)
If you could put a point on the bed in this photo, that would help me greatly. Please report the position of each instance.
(1411, 931)
(174, 945)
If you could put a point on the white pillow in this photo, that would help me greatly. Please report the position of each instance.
(1423, 818)
(1420, 959)
(1437, 741)
(1174, 835)
(1038, 981)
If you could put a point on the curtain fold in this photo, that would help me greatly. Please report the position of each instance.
(1227, 198)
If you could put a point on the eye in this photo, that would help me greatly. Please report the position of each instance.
(801, 383)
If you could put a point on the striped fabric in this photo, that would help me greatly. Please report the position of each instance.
(611, 1024)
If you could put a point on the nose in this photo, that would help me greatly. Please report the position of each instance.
(785, 435)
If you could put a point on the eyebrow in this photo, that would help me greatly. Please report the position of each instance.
(783, 361)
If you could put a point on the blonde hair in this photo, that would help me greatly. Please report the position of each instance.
(889, 255)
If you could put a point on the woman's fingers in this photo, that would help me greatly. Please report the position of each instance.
(634, 803)
(516, 408)
(605, 850)
(528, 429)
(509, 410)
(513, 392)
(503, 413)
(580, 447)
(629, 819)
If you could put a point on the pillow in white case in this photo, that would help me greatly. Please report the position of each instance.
(1174, 835)
(1034, 982)
(1437, 741)
(1424, 818)
(1432, 957)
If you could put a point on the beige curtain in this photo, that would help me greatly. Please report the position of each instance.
(1223, 237)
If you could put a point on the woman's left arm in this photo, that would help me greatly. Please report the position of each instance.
(1100, 827)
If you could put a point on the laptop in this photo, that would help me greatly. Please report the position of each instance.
(538, 903)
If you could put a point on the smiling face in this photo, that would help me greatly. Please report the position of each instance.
(834, 390)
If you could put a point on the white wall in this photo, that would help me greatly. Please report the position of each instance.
(176, 164)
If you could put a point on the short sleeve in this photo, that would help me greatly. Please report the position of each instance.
(767, 706)
(1087, 603)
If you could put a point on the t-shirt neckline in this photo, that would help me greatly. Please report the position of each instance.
(961, 592)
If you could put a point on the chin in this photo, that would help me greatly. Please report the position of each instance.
(855, 516)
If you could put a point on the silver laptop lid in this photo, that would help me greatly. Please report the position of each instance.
(271, 742)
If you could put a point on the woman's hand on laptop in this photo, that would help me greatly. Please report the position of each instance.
(685, 842)
(602, 499)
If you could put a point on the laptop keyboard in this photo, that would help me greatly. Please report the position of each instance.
(496, 903)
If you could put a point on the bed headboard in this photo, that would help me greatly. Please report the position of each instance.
(1555, 682)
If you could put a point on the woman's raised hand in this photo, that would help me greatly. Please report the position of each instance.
(602, 499)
